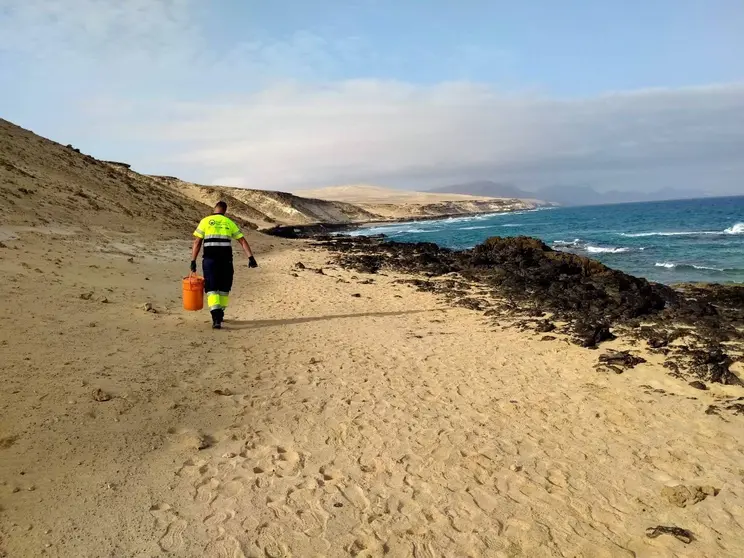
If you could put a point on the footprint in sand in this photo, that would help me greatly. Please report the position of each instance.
(288, 462)
(232, 487)
(355, 495)
(226, 548)
(172, 540)
(206, 491)
(219, 518)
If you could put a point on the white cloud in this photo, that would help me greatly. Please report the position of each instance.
(139, 61)
(113, 35)
(389, 132)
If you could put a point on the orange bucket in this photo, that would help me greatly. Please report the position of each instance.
(193, 292)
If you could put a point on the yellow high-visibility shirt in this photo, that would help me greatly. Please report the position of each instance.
(218, 231)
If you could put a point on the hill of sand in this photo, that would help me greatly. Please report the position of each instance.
(338, 414)
(378, 194)
(389, 203)
(47, 181)
(43, 182)
(267, 208)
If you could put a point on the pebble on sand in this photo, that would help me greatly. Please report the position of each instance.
(101, 396)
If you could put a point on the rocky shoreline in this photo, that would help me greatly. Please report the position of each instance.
(698, 329)
(319, 229)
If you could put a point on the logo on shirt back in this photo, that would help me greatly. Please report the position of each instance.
(212, 222)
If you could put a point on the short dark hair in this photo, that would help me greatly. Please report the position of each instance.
(221, 204)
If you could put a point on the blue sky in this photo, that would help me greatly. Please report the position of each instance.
(298, 93)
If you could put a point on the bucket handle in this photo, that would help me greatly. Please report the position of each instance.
(192, 277)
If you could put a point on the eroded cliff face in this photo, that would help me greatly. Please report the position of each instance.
(268, 208)
(396, 211)
(392, 204)
(44, 182)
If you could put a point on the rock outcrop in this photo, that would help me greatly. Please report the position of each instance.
(528, 278)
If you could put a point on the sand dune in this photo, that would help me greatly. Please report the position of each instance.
(267, 208)
(52, 182)
(389, 203)
(42, 182)
(338, 414)
(378, 194)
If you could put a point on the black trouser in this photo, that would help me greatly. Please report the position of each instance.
(218, 279)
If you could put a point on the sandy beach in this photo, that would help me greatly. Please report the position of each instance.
(338, 414)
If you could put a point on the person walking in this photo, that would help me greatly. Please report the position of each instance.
(216, 233)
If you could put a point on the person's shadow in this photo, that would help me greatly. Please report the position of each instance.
(254, 324)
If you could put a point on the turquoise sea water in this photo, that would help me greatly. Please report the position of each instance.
(668, 242)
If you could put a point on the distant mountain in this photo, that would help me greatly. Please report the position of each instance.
(575, 195)
(485, 188)
(565, 194)
(586, 195)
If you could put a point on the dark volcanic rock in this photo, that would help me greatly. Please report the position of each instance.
(566, 283)
(366, 263)
(590, 335)
(712, 365)
(471, 303)
(623, 358)
(657, 342)
(610, 368)
(545, 326)
(712, 410)
(678, 533)
(527, 271)
(697, 384)
(524, 274)
(308, 231)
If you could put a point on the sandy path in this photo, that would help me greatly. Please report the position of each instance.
(382, 425)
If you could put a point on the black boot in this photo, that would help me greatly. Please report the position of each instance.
(217, 316)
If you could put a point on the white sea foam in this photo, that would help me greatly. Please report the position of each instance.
(579, 244)
(672, 265)
(414, 230)
(605, 250)
(576, 242)
(513, 225)
(680, 233)
(469, 218)
(394, 228)
(474, 228)
(737, 228)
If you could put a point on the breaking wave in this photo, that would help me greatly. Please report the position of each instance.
(674, 265)
(605, 250)
(738, 228)
(578, 244)
(575, 243)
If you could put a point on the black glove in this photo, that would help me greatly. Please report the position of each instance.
(252, 262)
(193, 266)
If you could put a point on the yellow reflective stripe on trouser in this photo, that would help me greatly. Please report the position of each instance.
(213, 301)
(217, 300)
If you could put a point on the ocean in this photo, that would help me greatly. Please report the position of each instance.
(668, 242)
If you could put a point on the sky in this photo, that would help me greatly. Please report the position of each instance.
(292, 94)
